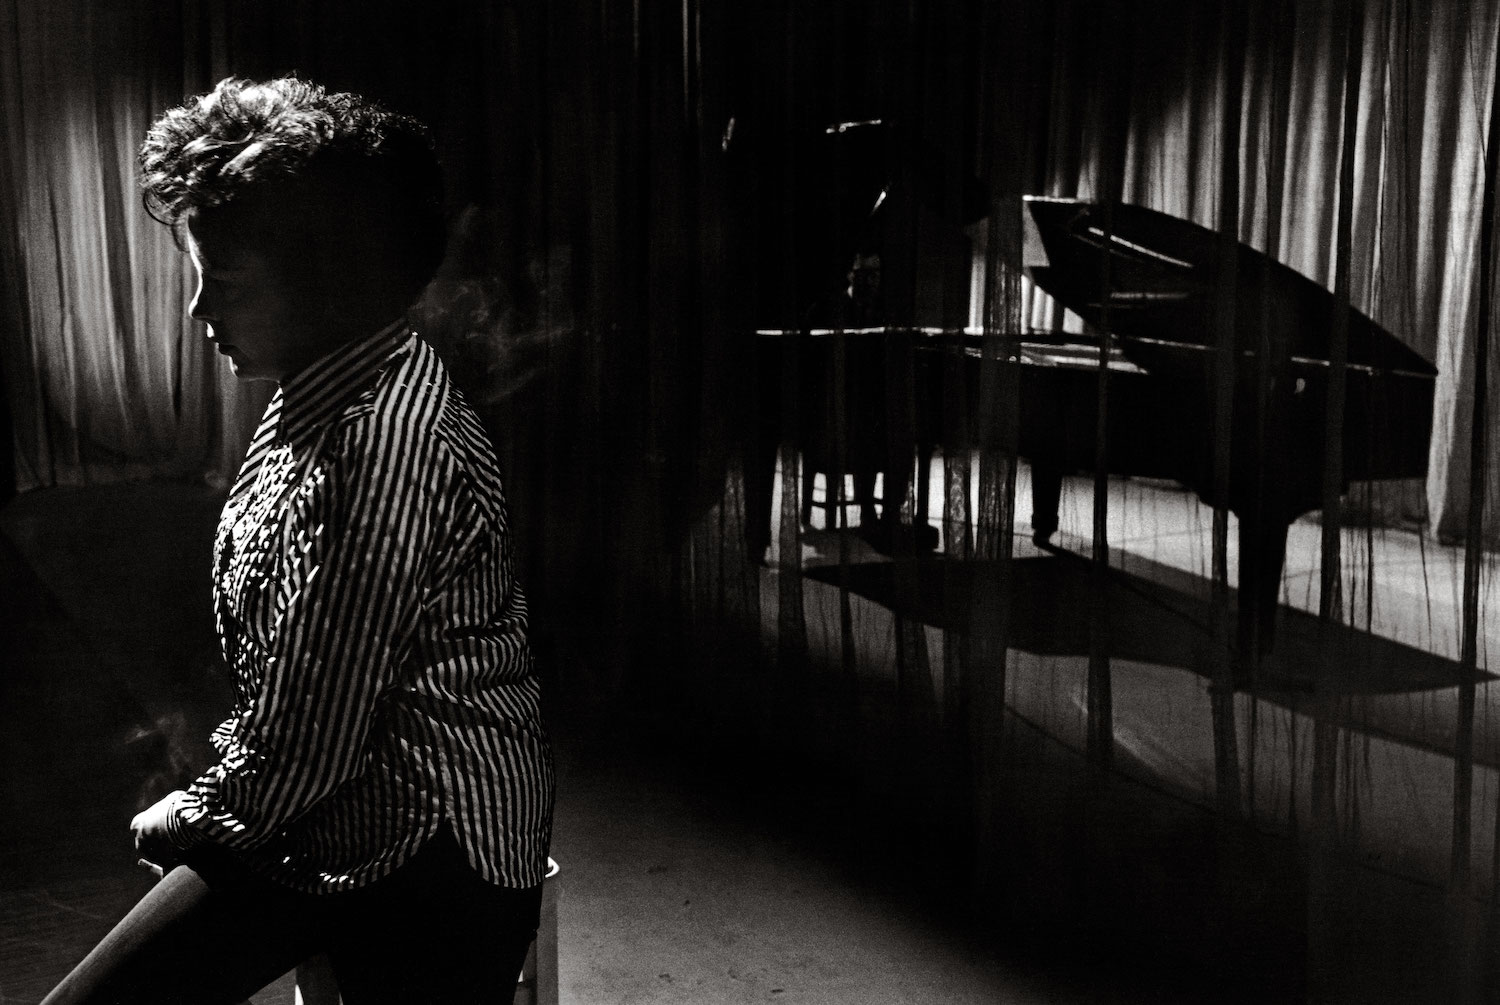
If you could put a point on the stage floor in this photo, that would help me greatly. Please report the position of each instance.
(675, 887)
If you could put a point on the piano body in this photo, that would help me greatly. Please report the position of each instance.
(1160, 310)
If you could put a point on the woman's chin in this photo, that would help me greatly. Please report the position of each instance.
(243, 369)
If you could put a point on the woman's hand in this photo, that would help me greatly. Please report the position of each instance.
(150, 829)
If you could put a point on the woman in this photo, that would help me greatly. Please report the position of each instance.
(384, 793)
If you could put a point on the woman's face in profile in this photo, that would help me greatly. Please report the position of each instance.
(266, 326)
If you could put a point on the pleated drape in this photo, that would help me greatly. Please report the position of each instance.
(642, 192)
(106, 378)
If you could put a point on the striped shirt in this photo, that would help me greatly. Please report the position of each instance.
(368, 610)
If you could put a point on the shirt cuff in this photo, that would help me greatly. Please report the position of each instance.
(181, 834)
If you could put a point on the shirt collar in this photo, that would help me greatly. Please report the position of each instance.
(315, 392)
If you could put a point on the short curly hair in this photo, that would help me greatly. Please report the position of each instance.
(332, 184)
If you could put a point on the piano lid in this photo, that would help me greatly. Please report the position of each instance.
(1162, 286)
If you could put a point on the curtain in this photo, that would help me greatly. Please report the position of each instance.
(106, 376)
(654, 206)
(1393, 102)
(949, 678)
(1418, 169)
(92, 403)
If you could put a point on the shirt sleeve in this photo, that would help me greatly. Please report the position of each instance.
(354, 546)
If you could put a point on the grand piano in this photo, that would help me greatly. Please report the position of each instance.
(1159, 309)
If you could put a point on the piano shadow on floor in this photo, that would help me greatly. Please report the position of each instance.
(1148, 622)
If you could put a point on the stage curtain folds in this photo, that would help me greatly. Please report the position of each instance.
(107, 379)
(1418, 170)
(633, 189)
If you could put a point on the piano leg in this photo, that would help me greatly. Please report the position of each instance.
(1046, 497)
(1262, 555)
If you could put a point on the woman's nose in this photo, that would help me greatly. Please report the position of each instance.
(202, 307)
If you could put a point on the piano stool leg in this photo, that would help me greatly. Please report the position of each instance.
(315, 983)
(924, 534)
(538, 981)
(835, 518)
(536, 984)
(864, 494)
(924, 475)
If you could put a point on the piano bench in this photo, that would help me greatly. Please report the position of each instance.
(537, 984)
(864, 496)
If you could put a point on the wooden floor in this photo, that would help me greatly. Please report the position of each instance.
(676, 887)
(679, 885)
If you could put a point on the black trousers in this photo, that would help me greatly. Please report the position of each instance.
(212, 932)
